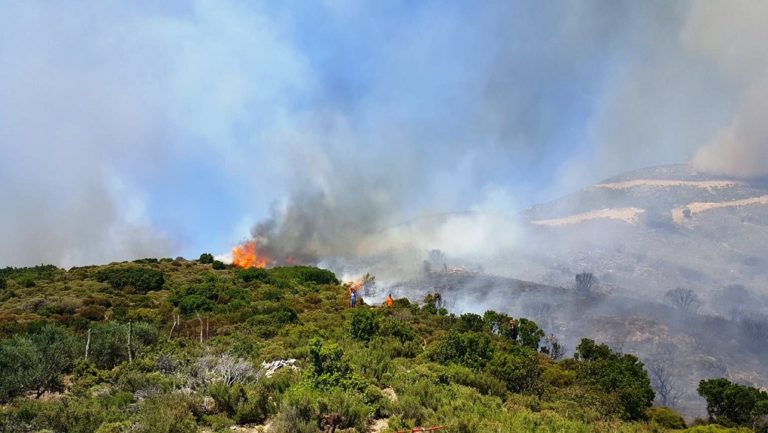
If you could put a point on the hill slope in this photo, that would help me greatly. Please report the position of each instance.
(175, 346)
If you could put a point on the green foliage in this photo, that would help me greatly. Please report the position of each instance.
(243, 403)
(140, 278)
(206, 258)
(518, 369)
(253, 274)
(469, 322)
(3, 283)
(614, 373)
(529, 333)
(327, 368)
(218, 265)
(303, 275)
(731, 404)
(109, 342)
(166, 414)
(364, 325)
(35, 363)
(470, 349)
(665, 417)
(410, 365)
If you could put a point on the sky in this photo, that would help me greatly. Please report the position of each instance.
(136, 129)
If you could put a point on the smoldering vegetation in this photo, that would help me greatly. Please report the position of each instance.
(682, 338)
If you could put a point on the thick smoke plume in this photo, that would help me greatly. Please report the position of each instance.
(733, 36)
(131, 129)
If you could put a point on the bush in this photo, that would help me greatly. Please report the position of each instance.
(622, 375)
(206, 258)
(253, 274)
(470, 349)
(243, 403)
(217, 265)
(665, 417)
(469, 322)
(35, 363)
(141, 278)
(518, 369)
(364, 325)
(304, 275)
(109, 342)
(3, 284)
(165, 414)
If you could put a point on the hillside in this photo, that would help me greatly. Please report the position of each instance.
(652, 230)
(184, 346)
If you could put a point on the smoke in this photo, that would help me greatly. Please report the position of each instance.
(732, 36)
(530, 102)
(131, 129)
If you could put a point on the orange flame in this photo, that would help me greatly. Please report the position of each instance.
(248, 255)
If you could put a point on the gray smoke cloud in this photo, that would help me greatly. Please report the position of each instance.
(565, 96)
(353, 120)
(732, 36)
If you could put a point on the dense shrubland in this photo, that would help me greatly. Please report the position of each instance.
(177, 346)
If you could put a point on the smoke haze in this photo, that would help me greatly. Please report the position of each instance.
(129, 129)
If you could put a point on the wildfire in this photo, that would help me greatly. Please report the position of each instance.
(248, 255)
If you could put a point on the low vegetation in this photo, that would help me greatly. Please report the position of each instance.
(185, 346)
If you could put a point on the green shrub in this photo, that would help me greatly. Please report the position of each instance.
(243, 403)
(253, 274)
(364, 325)
(665, 417)
(3, 283)
(206, 258)
(109, 342)
(470, 349)
(469, 322)
(518, 368)
(218, 265)
(141, 278)
(303, 275)
(165, 414)
(35, 363)
(622, 375)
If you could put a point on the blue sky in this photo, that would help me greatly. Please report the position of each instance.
(132, 129)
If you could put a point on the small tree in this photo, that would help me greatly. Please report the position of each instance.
(585, 282)
(206, 258)
(683, 299)
(731, 404)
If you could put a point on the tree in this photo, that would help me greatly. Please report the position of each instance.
(585, 282)
(553, 348)
(206, 258)
(731, 404)
(621, 375)
(35, 362)
(683, 299)
(665, 384)
(529, 333)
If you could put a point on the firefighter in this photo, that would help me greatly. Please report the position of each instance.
(390, 301)
(352, 298)
(513, 329)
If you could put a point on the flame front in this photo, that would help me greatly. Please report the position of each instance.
(248, 255)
